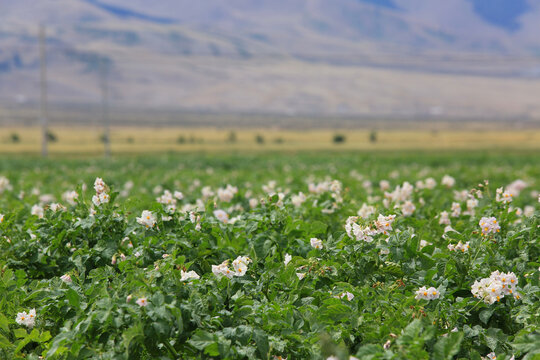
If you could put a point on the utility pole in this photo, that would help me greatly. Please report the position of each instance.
(43, 103)
(104, 71)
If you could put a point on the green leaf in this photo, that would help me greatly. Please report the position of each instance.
(411, 332)
(4, 342)
(447, 346)
(201, 339)
(20, 333)
(528, 343)
(370, 351)
(212, 349)
(4, 323)
(485, 315)
(44, 337)
(73, 298)
(261, 339)
(317, 228)
(33, 336)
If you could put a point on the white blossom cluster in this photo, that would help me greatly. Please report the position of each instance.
(188, 275)
(448, 181)
(332, 186)
(25, 319)
(4, 184)
(429, 183)
(170, 200)
(489, 225)
(383, 224)
(503, 196)
(70, 197)
(366, 211)
(101, 197)
(147, 219)
(459, 247)
(427, 293)
(226, 194)
(495, 287)
(298, 200)
(316, 243)
(240, 267)
(400, 194)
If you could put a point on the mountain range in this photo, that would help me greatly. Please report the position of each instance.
(363, 57)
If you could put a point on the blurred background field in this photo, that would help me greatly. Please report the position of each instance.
(141, 140)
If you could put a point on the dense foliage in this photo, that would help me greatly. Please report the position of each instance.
(373, 256)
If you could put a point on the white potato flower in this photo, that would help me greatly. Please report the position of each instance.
(503, 196)
(57, 207)
(495, 287)
(70, 197)
(38, 211)
(408, 208)
(148, 219)
(142, 302)
(430, 183)
(443, 218)
(448, 181)
(489, 225)
(316, 243)
(178, 195)
(456, 209)
(288, 259)
(222, 216)
(366, 211)
(189, 275)
(25, 319)
(240, 267)
(346, 295)
(298, 200)
(99, 185)
(384, 223)
(4, 184)
(427, 293)
(226, 194)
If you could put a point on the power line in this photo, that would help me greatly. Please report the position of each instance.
(104, 70)
(43, 83)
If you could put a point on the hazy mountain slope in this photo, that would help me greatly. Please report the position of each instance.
(278, 56)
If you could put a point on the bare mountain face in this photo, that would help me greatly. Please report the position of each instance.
(457, 58)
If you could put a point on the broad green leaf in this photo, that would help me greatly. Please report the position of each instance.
(448, 346)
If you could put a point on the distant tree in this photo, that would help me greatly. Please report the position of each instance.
(51, 136)
(15, 138)
(181, 139)
(279, 140)
(373, 136)
(103, 138)
(259, 139)
(232, 137)
(130, 140)
(339, 138)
